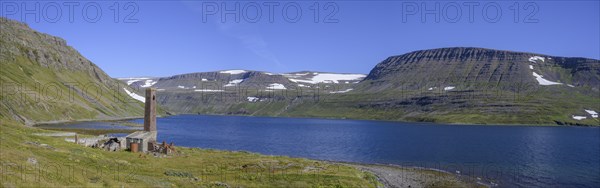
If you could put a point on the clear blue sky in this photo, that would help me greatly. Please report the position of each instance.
(172, 38)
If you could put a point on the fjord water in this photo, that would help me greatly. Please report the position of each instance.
(509, 155)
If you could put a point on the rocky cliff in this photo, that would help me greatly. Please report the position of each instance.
(464, 66)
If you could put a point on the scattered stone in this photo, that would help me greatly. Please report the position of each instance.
(220, 184)
(32, 160)
(112, 144)
(95, 179)
(179, 174)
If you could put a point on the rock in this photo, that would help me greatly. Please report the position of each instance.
(112, 144)
(114, 147)
(32, 160)
(220, 184)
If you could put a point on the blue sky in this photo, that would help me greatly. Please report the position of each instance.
(180, 37)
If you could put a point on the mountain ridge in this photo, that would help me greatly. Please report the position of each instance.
(450, 85)
(44, 79)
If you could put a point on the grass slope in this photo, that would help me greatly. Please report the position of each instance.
(549, 105)
(59, 163)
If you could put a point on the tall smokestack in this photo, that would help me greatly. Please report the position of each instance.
(150, 112)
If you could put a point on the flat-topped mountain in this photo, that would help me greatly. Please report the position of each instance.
(485, 85)
(477, 66)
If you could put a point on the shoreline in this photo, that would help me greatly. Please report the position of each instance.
(83, 120)
(396, 121)
(302, 117)
(389, 175)
(116, 119)
(392, 175)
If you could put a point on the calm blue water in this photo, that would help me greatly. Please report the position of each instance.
(509, 155)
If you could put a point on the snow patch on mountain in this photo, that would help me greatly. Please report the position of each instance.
(233, 72)
(343, 91)
(252, 99)
(578, 117)
(594, 114)
(276, 86)
(304, 81)
(208, 90)
(204, 79)
(327, 78)
(149, 83)
(449, 88)
(337, 77)
(295, 75)
(234, 82)
(129, 82)
(135, 96)
(531, 67)
(543, 81)
(535, 58)
(132, 80)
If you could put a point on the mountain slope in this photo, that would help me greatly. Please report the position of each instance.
(242, 91)
(450, 85)
(44, 79)
(486, 86)
(478, 65)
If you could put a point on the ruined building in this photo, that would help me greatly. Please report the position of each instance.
(142, 141)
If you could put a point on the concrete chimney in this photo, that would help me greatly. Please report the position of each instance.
(150, 112)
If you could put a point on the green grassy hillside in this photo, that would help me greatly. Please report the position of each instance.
(37, 161)
(44, 79)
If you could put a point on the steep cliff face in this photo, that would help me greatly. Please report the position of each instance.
(44, 79)
(484, 85)
(477, 66)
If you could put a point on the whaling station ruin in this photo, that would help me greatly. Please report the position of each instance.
(142, 140)
(139, 141)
